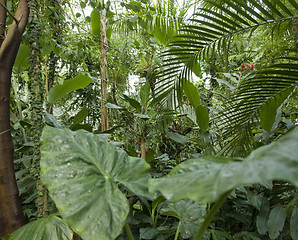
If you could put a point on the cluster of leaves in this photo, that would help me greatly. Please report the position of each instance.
(83, 160)
(99, 189)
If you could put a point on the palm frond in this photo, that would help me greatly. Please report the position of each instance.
(240, 117)
(211, 29)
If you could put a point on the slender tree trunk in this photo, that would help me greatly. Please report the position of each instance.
(11, 215)
(104, 71)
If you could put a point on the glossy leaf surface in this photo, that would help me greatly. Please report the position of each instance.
(205, 179)
(82, 171)
(190, 213)
(51, 227)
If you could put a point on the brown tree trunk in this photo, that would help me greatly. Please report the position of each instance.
(11, 215)
(104, 71)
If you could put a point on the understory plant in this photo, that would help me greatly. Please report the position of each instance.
(99, 190)
(221, 166)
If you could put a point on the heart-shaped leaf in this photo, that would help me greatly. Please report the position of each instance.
(82, 172)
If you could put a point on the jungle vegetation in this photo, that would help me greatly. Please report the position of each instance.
(165, 119)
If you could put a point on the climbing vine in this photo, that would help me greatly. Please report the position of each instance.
(36, 100)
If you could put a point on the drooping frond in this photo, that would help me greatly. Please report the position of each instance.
(257, 97)
(211, 30)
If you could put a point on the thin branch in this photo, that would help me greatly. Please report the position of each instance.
(9, 12)
(4, 131)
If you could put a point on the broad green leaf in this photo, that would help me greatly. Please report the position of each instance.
(276, 221)
(207, 178)
(262, 218)
(202, 117)
(109, 33)
(262, 222)
(148, 233)
(294, 224)
(178, 137)
(60, 91)
(268, 110)
(22, 59)
(134, 103)
(51, 227)
(190, 213)
(81, 171)
(192, 94)
(145, 93)
(80, 116)
(95, 22)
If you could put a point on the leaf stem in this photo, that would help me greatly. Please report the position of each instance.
(128, 231)
(211, 214)
(177, 231)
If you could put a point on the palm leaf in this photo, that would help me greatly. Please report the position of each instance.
(255, 92)
(211, 29)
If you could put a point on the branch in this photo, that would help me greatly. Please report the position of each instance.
(10, 45)
(9, 12)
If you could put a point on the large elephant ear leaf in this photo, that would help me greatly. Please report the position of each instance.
(82, 172)
(51, 227)
(207, 178)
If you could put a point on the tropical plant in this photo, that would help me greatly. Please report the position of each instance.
(212, 29)
(83, 159)
(222, 166)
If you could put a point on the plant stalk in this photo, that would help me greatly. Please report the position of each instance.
(128, 231)
(177, 231)
(211, 214)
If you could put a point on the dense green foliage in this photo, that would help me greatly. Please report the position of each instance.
(203, 118)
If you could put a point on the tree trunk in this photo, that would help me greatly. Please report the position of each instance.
(36, 100)
(104, 71)
(11, 215)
